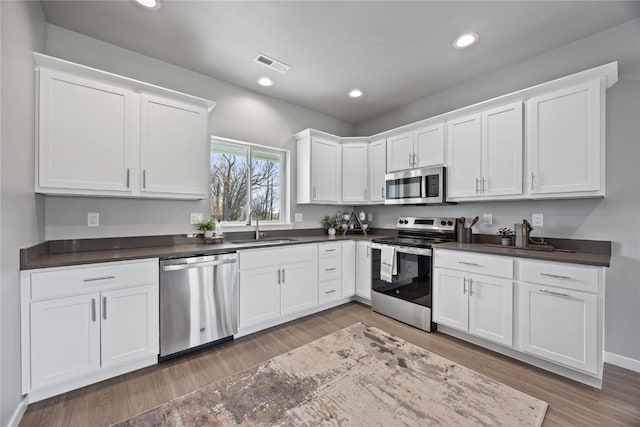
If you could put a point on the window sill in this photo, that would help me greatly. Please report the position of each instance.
(232, 228)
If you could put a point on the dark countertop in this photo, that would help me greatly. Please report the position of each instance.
(46, 260)
(577, 257)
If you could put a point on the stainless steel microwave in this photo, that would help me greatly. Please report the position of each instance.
(424, 186)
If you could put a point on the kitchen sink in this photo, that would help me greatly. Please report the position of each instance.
(267, 241)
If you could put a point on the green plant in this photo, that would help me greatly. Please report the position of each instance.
(208, 224)
(505, 232)
(330, 222)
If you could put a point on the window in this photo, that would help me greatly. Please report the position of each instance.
(237, 188)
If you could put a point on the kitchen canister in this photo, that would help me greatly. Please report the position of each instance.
(465, 235)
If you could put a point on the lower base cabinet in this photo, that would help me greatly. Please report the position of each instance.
(363, 270)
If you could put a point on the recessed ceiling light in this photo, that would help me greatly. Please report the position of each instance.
(356, 93)
(265, 81)
(465, 40)
(149, 4)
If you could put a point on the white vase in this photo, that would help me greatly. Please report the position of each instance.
(331, 231)
(208, 234)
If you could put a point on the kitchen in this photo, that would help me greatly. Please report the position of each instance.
(253, 116)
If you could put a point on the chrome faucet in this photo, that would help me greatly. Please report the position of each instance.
(257, 223)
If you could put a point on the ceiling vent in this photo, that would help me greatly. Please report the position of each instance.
(280, 67)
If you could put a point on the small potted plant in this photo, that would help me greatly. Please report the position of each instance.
(330, 224)
(506, 234)
(208, 226)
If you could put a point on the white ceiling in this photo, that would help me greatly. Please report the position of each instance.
(396, 52)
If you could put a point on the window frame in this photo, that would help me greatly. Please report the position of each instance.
(285, 187)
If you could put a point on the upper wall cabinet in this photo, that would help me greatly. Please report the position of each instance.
(416, 148)
(319, 171)
(485, 154)
(377, 170)
(354, 172)
(566, 141)
(105, 135)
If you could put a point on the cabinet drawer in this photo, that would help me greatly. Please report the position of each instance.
(269, 257)
(328, 269)
(475, 263)
(329, 249)
(92, 278)
(563, 275)
(328, 291)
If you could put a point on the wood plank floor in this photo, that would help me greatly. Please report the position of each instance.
(570, 403)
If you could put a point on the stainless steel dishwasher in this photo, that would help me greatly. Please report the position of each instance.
(198, 302)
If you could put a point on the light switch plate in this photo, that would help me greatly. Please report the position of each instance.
(196, 218)
(298, 217)
(537, 220)
(93, 219)
(487, 219)
(370, 217)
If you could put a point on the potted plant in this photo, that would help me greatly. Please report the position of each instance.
(506, 234)
(330, 224)
(208, 226)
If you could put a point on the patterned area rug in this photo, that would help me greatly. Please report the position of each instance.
(357, 376)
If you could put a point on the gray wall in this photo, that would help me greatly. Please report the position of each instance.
(21, 217)
(615, 218)
(239, 114)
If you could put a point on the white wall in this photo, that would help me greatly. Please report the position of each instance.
(239, 114)
(615, 218)
(21, 217)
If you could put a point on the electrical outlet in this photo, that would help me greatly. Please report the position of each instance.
(537, 220)
(487, 219)
(299, 217)
(93, 219)
(195, 218)
(370, 217)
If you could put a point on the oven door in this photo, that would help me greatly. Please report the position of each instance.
(412, 282)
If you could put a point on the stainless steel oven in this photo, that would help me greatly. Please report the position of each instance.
(416, 187)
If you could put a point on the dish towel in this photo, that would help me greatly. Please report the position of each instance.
(388, 263)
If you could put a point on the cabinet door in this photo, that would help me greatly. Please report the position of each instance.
(259, 296)
(129, 324)
(85, 134)
(174, 148)
(377, 170)
(400, 152)
(491, 308)
(354, 172)
(429, 145)
(65, 339)
(560, 325)
(363, 270)
(502, 150)
(464, 149)
(565, 138)
(325, 170)
(298, 287)
(450, 299)
(348, 269)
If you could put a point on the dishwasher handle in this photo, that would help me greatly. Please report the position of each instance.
(185, 266)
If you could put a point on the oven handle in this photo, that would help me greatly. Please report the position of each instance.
(404, 249)
(178, 267)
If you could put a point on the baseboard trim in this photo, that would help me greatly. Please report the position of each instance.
(15, 419)
(622, 361)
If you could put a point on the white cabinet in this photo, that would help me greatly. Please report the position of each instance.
(354, 172)
(100, 134)
(174, 147)
(485, 153)
(275, 282)
(82, 324)
(450, 300)
(417, 148)
(85, 134)
(319, 169)
(566, 141)
(377, 170)
(363, 270)
(348, 268)
(330, 271)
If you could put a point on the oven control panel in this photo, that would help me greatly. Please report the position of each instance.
(427, 224)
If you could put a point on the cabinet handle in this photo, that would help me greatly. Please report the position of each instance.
(555, 276)
(329, 292)
(464, 286)
(314, 192)
(382, 192)
(283, 279)
(410, 159)
(95, 279)
(128, 177)
(93, 309)
(560, 294)
(368, 251)
(144, 178)
(470, 286)
(279, 277)
(483, 182)
(533, 177)
(469, 263)
(415, 159)
(104, 308)
(329, 269)
(477, 180)
(365, 193)
(329, 250)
